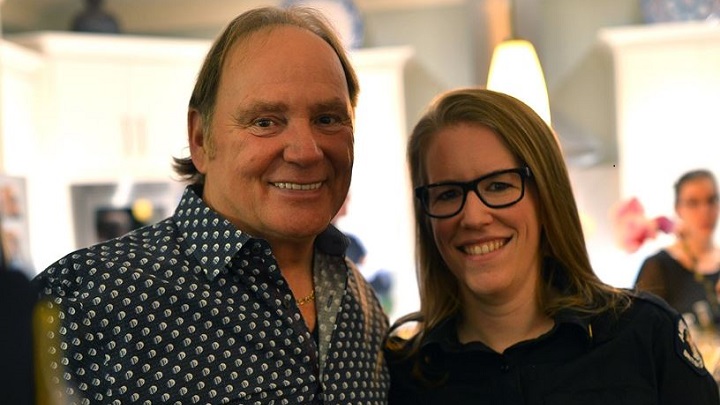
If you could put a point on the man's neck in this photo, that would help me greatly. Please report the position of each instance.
(296, 266)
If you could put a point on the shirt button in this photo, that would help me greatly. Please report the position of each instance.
(505, 367)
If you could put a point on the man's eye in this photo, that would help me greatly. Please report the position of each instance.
(328, 120)
(263, 122)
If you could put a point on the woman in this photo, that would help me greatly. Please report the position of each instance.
(685, 273)
(511, 311)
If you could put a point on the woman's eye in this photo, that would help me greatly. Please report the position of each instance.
(447, 195)
(498, 186)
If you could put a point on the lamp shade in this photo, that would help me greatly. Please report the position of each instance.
(515, 70)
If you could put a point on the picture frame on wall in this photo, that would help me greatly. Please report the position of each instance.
(14, 225)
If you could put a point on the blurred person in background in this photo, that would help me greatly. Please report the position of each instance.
(685, 273)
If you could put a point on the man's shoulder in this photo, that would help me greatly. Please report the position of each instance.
(133, 250)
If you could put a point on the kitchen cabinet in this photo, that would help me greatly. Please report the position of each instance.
(114, 105)
(19, 96)
(667, 93)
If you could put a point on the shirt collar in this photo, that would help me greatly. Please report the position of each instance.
(214, 241)
(444, 335)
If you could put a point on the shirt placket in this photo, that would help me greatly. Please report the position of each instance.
(258, 269)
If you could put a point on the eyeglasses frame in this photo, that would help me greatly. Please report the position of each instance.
(421, 192)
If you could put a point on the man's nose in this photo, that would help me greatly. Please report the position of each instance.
(302, 145)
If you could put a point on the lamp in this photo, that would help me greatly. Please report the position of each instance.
(515, 70)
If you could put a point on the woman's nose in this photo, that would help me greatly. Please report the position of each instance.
(475, 212)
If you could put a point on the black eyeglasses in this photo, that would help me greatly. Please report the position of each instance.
(498, 189)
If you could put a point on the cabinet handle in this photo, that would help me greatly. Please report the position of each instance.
(127, 136)
(141, 135)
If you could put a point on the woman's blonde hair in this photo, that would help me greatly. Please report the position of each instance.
(567, 277)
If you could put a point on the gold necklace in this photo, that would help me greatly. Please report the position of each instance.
(708, 287)
(693, 261)
(305, 300)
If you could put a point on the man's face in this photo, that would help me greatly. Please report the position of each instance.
(279, 162)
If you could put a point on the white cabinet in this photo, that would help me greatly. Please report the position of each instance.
(19, 72)
(115, 105)
(667, 93)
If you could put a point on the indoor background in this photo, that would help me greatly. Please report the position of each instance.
(443, 44)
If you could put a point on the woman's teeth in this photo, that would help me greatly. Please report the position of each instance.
(484, 248)
(297, 186)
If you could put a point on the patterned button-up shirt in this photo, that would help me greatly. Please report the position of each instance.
(192, 310)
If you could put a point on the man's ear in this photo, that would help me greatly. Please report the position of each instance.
(200, 149)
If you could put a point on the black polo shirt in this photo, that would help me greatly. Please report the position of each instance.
(641, 356)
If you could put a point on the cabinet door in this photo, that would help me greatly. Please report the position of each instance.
(91, 126)
(158, 105)
(19, 89)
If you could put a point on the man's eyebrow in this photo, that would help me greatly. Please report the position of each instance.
(334, 105)
(262, 106)
(250, 112)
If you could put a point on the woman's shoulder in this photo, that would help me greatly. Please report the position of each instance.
(404, 330)
(666, 327)
(663, 255)
(645, 303)
(646, 314)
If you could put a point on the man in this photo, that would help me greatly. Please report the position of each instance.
(243, 295)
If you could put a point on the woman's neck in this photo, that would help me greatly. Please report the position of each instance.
(698, 255)
(502, 326)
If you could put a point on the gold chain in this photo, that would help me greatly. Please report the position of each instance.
(710, 294)
(305, 300)
(693, 261)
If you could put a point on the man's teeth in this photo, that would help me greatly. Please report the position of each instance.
(296, 186)
(484, 248)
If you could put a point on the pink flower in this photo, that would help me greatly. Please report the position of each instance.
(632, 228)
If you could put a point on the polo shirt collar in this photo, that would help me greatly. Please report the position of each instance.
(444, 335)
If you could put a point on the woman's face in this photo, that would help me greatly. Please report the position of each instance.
(493, 252)
(697, 207)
